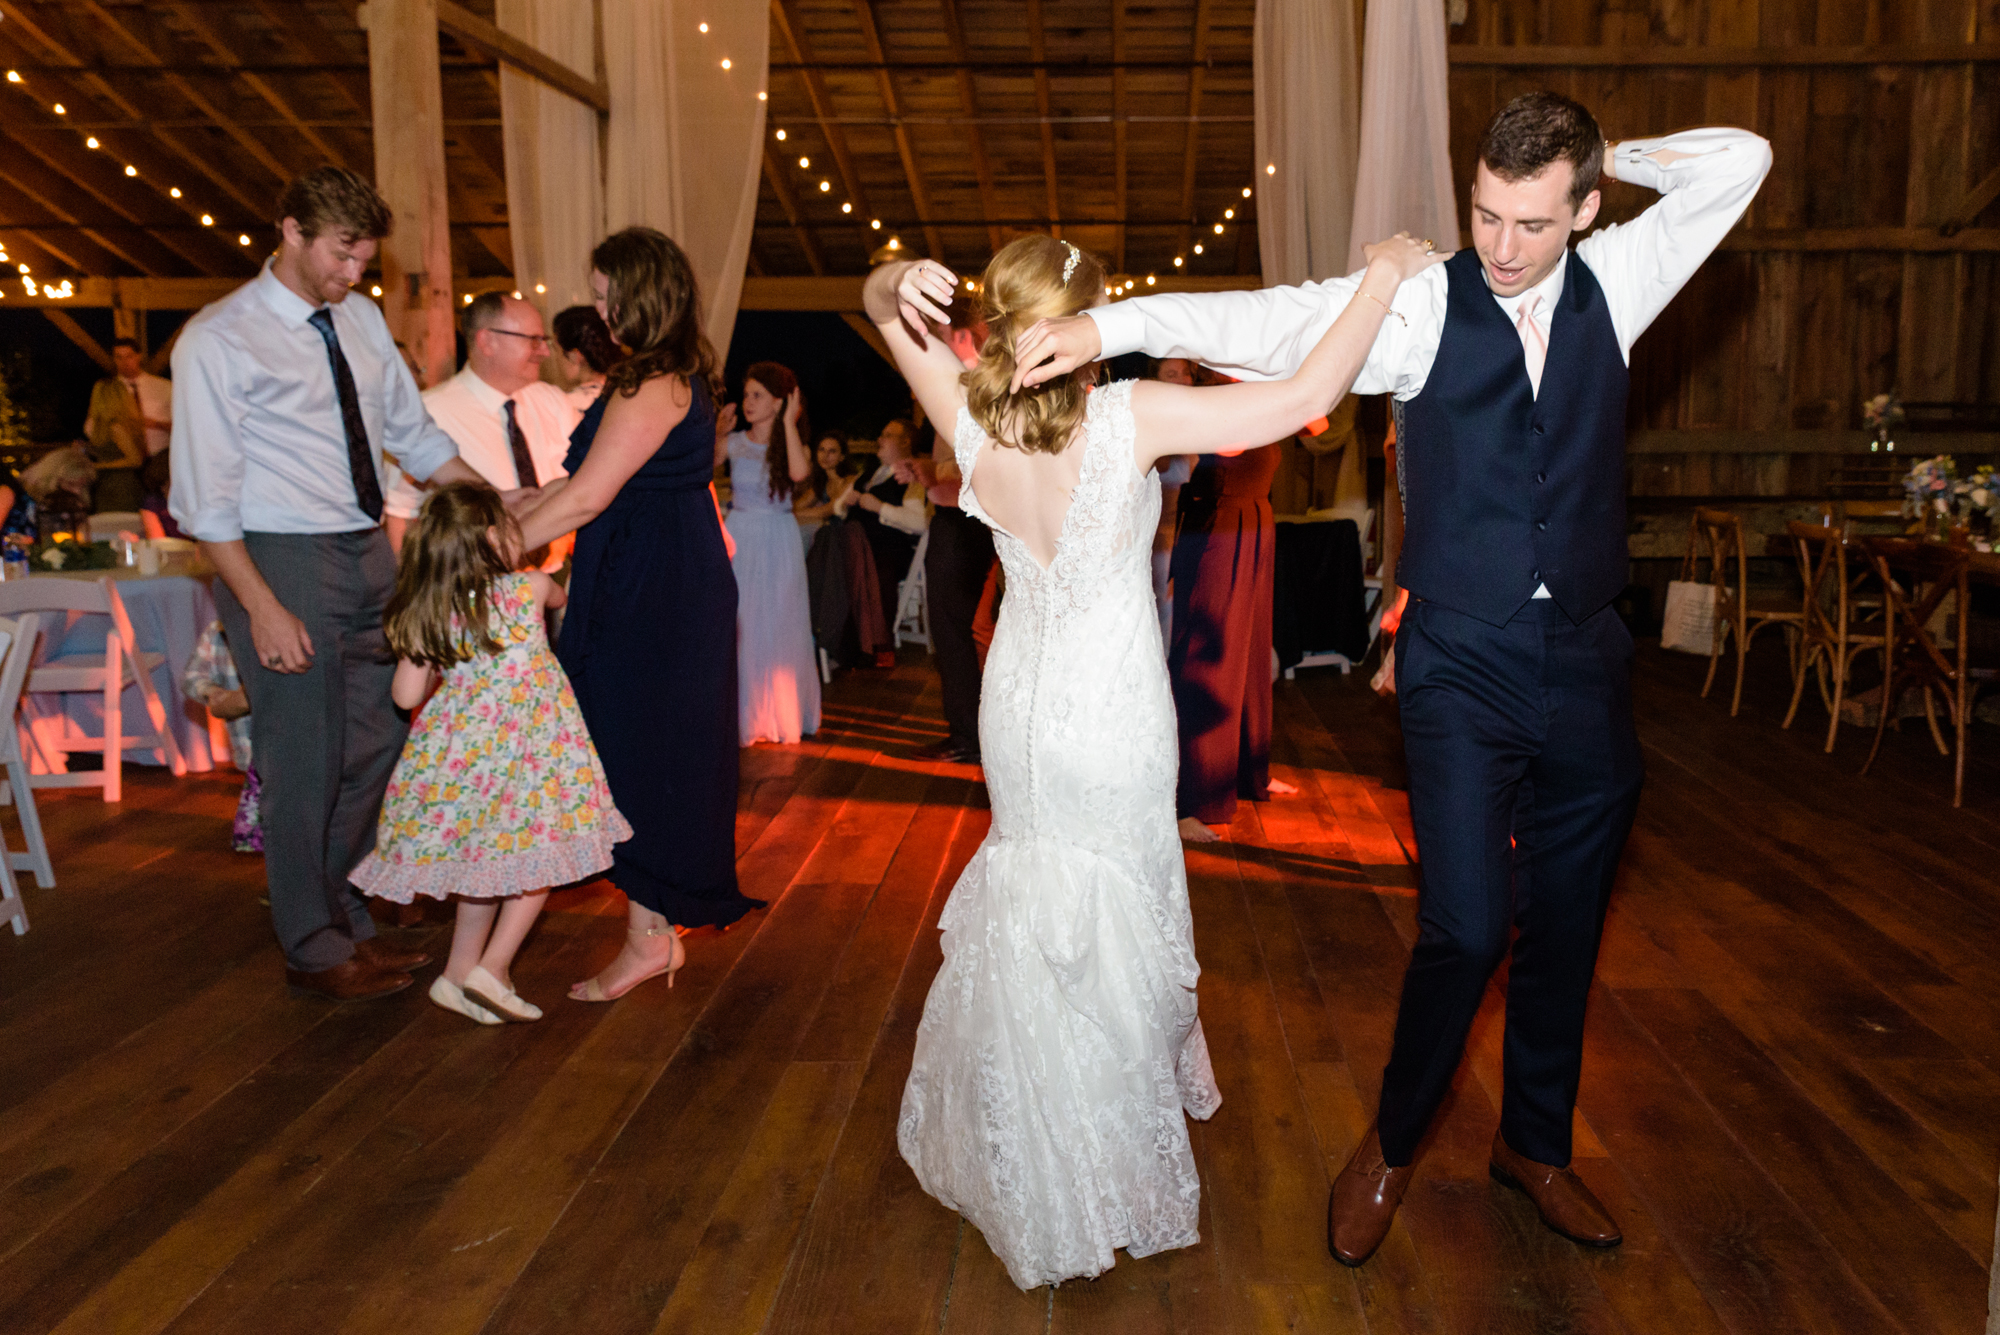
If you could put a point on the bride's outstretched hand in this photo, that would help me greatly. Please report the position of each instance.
(925, 290)
(1409, 257)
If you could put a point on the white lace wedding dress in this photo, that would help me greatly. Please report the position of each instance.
(1060, 1045)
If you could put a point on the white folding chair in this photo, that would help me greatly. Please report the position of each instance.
(107, 526)
(17, 638)
(913, 618)
(120, 665)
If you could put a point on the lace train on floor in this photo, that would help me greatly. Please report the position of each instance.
(1058, 1050)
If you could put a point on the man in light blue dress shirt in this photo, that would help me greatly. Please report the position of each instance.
(285, 397)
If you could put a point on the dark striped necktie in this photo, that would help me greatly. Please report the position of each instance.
(360, 459)
(524, 462)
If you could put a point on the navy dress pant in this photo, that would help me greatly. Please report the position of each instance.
(1524, 775)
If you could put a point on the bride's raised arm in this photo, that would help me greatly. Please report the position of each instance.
(1177, 419)
(910, 295)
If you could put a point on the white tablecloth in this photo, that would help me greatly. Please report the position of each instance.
(168, 613)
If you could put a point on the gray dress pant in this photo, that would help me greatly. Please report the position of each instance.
(324, 740)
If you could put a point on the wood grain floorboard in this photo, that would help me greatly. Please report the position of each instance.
(1789, 1094)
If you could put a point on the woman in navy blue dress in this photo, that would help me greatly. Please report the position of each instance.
(649, 640)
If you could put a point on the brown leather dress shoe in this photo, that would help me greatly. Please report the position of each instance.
(1566, 1204)
(374, 951)
(350, 980)
(1364, 1201)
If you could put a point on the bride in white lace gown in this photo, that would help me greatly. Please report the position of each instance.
(1060, 1045)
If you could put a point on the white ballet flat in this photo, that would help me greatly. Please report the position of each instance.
(484, 989)
(448, 995)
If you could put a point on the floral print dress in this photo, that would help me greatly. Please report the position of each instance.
(498, 791)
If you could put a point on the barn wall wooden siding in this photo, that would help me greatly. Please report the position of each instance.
(1768, 340)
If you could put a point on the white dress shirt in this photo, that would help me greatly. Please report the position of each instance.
(474, 415)
(155, 397)
(908, 517)
(257, 436)
(1640, 265)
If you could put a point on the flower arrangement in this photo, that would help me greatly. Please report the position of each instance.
(64, 553)
(1882, 415)
(1976, 498)
(1927, 488)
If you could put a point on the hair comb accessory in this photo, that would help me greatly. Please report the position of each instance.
(1069, 265)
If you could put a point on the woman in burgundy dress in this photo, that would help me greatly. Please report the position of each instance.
(1223, 566)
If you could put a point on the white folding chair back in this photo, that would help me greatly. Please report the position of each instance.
(107, 526)
(913, 618)
(120, 665)
(18, 638)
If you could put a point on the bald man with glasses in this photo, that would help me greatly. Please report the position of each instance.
(510, 425)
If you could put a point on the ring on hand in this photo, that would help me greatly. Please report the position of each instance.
(1429, 245)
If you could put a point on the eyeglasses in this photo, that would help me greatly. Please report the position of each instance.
(542, 339)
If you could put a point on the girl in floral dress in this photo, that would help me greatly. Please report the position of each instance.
(498, 794)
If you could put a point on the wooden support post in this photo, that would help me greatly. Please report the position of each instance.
(407, 94)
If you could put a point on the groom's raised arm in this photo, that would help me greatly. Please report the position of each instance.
(1707, 178)
(1266, 334)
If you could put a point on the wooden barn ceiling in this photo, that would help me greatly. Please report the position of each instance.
(954, 124)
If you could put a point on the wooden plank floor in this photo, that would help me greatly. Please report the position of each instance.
(1791, 1096)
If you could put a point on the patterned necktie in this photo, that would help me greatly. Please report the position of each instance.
(1533, 346)
(524, 462)
(360, 459)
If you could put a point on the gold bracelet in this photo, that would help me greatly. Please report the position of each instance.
(1384, 305)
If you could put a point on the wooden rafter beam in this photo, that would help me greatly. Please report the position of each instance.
(95, 85)
(1977, 199)
(80, 336)
(309, 40)
(1189, 159)
(19, 173)
(822, 105)
(982, 166)
(508, 49)
(200, 102)
(1038, 50)
(781, 186)
(198, 18)
(94, 175)
(1118, 128)
(871, 33)
(49, 255)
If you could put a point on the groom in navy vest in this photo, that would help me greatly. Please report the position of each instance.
(1508, 363)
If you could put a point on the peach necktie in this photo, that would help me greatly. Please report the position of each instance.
(1533, 346)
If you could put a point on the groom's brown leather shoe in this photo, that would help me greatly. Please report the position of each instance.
(350, 980)
(1566, 1204)
(1364, 1201)
(373, 951)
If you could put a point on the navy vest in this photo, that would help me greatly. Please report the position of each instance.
(1503, 490)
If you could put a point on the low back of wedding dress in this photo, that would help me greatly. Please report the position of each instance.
(1060, 1046)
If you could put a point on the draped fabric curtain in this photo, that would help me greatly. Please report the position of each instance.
(555, 185)
(684, 146)
(1403, 183)
(1307, 121)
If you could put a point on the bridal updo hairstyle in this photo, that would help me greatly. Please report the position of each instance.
(1024, 283)
(653, 307)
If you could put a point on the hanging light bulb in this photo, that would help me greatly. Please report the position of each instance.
(763, 96)
(1218, 229)
(1177, 261)
(375, 291)
(1197, 247)
(847, 208)
(468, 298)
(243, 240)
(1149, 280)
(1246, 192)
(1229, 213)
(174, 193)
(781, 136)
(825, 186)
(61, 110)
(1270, 169)
(13, 76)
(804, 162)
(90, 142)
(130, 170)
(875, 223)
(704, 27)
(208, 220)
(541, 287)
(725, 62)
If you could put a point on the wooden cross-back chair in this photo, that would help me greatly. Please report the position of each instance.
(1917, 578)
(1738, 614)
(1840, 622)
